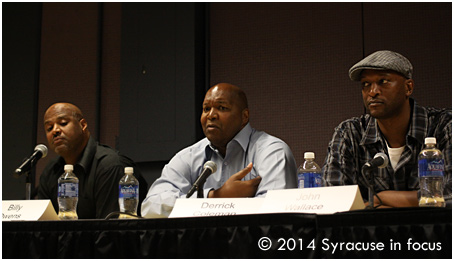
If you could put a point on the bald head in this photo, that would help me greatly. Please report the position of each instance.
(68, 108)
(236, 94)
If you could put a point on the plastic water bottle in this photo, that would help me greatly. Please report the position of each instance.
(68, 194)
(128, 193)
(431, 167)
(309, 173)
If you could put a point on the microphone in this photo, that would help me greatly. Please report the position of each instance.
(380, 160)
(40, 152)
(208, 168)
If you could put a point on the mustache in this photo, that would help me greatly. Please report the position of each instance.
(57, 137)
(374, 101)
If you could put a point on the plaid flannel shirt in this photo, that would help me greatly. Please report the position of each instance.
(356, 141)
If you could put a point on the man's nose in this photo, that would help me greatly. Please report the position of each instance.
(374, 90)
(56, 130)
(212, 114)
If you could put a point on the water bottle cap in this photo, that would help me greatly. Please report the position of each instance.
(309, 155)
(129, 170)
(68, 167)
(430, 140)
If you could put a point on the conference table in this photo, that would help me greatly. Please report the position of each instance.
(379, 233)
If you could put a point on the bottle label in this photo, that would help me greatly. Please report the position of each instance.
(128, 191)
(309, 180)
(431, 167)
(70, 190)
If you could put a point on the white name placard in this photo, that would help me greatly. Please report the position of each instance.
(28, 210)
(204, 207)
(321, 200)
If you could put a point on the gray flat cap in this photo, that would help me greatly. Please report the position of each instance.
(382, 60)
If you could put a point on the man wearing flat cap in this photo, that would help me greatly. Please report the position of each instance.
(395, 125)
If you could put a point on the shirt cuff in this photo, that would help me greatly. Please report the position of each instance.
(206, 191)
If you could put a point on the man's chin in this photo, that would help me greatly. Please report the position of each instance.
(377, 115)
(212, 135)
(60, 150)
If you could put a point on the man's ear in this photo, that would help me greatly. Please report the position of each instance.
(83, 124)
(245, 115)
(409, 86)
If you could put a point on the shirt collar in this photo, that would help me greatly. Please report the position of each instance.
(418, 114)
(371, 135)
(88, 154)
(241, 138)
(419, 122)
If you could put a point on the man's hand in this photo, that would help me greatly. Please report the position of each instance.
(235, 188)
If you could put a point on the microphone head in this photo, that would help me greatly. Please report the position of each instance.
(211, 165)
(385, 159)
(42, 148)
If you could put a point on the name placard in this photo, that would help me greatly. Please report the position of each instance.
(28, 210)
(203, 207)
(321, 200)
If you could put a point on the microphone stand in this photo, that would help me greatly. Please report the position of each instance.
(28, 186)
(370, 186)
(200, 190)
(28, 180)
